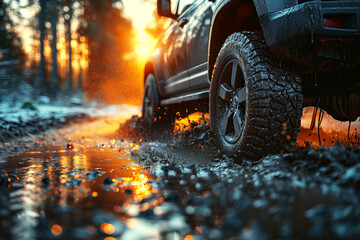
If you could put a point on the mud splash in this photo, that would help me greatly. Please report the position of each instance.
(330, 132)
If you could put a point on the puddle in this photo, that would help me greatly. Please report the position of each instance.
(82, 183)
(82, 187)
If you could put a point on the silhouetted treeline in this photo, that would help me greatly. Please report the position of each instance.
(10, 42)
(110, 37)
(79, 45)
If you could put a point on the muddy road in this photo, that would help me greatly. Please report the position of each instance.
(94, 180)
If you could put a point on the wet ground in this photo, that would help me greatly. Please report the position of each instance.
(92, 180)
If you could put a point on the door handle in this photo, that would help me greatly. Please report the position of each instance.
(183, 22)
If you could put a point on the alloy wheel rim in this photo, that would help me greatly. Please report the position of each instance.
(148, 110)
(232, 105)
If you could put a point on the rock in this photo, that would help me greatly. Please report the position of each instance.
(43, 100)
(254, 231)
(94, 174)
(128, 191)
(45, 181)
(352, 176)
(108, 181)
(4, 177)
(232, 224)
(75, 182)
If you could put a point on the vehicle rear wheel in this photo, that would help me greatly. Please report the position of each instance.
(255, 106)
(150, 101)
(153, 114)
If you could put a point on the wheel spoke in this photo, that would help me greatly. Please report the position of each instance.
(237, 123)
(225, 91)
(234, 74)
(225, 122)
(241, 95)
(147, 100)
(232, 91)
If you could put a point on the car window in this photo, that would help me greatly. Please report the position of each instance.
(174, 5)
(183, 5)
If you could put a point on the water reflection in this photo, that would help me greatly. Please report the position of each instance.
(80, 193)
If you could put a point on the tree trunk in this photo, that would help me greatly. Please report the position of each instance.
(69, 46)
(54, 52)
(39, 79)
(79, 78)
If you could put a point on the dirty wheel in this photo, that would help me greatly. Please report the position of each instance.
(150, 102)
(153, 114)
(255, 107)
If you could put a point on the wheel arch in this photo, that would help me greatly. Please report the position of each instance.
(153, 65)
(149, 68)
(245, 14)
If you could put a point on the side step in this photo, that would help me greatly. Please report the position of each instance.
(185, 98)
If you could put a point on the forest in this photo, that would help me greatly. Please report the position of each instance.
(72, 49)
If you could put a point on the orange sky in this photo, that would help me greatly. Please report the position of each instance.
(140, 12)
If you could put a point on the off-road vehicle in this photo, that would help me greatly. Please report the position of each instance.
(259, 62)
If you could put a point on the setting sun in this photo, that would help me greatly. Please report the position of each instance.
(143, 50)
(141, 14)
(145, 44)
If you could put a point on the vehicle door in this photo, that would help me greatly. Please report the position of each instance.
(199, 18)
(175, 71)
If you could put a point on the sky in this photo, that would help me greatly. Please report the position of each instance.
(140, 12)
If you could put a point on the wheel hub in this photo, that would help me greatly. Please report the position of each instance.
(234, 103)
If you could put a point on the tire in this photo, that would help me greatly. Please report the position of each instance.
(154, 116)
(255, 107)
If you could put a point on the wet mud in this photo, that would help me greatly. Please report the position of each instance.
(15, 129)
(98, 181)
(310, 192)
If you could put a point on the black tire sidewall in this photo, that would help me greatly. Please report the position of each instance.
(151, 84)
(227, 54)
(274, 100)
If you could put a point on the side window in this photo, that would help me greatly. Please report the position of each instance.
(174, 5)
(183, 5)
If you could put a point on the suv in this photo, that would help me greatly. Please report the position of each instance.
(258, 62)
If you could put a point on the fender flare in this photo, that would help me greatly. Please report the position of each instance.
(155, 61)
(221, 6)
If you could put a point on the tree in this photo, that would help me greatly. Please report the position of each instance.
(39, 79)
(9, 39)
(68, 15)
(110, 37)
(54, 17)
(11, 56)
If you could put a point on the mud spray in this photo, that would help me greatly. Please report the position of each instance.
(331, 131)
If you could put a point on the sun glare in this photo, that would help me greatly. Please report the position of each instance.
(141, 14)
(143, 50)
(145, 44)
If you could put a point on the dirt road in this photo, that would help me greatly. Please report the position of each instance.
(92, 180)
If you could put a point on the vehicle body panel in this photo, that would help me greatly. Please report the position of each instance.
(298, 33)
(182, 70)
(174, 55)
(198, 30)
(294, 32)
